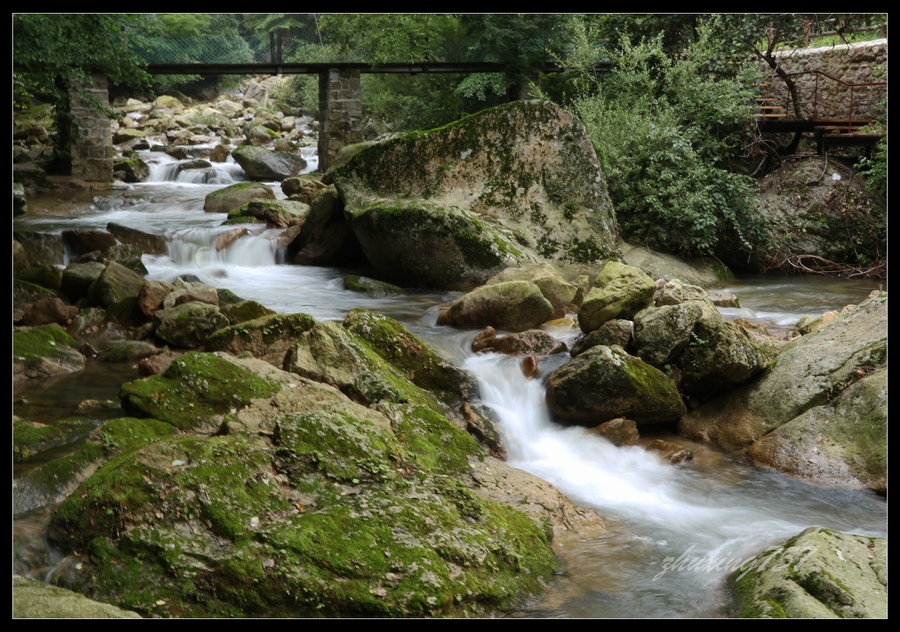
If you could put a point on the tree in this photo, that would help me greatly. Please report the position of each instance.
(55, 53)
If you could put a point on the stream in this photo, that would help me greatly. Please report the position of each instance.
(718, 507)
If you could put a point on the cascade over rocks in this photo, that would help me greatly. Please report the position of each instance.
(451, 207)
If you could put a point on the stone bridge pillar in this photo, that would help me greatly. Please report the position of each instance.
(93, 153)
(340, 113)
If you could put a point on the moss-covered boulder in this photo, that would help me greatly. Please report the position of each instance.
(274, 213)
(189, 325)
(451, 207)
(131, 170)
(115, 283)
(229, 198)
(45, 351)
(196, 391)
(263, 164)
(267, 337)
(820, 574)
(620, 291)
(409, 355)
(49, 277)
(838, 442)
(347, 510)
(328, 353)
(689, 334)
(74, 460)
(561, 294)
(604, 383)
(511, 305)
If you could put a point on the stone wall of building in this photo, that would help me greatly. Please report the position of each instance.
(826, 97)
(340, 108)
(93, 153)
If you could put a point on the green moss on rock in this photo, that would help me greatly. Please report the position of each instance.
(195, 391)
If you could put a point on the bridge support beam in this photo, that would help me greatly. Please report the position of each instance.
(340, 112)
(93, 153)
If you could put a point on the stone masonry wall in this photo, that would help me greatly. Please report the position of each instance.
(821, 97)
(93, 153)
(340, 107)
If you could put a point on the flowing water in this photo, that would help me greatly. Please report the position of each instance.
(717, 510)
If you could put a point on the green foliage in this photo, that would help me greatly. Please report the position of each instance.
(55, 53)
(666, 130)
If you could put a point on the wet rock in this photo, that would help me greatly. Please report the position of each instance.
(372, 287)
(127, 351)
(620, 431)
(152, 294)
(78, 278)
(146, 242)
(82, 241)
(533, 341)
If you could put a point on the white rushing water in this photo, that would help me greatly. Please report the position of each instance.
(717, 507)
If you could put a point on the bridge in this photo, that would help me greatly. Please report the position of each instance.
(340, 90)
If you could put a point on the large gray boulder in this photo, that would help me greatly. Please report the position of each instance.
(815, 383)
(263, 164)
(820, 574)
(451, 207)
(604, 383)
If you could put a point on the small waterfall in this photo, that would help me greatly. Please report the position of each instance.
(227, 245)
(165, 168)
